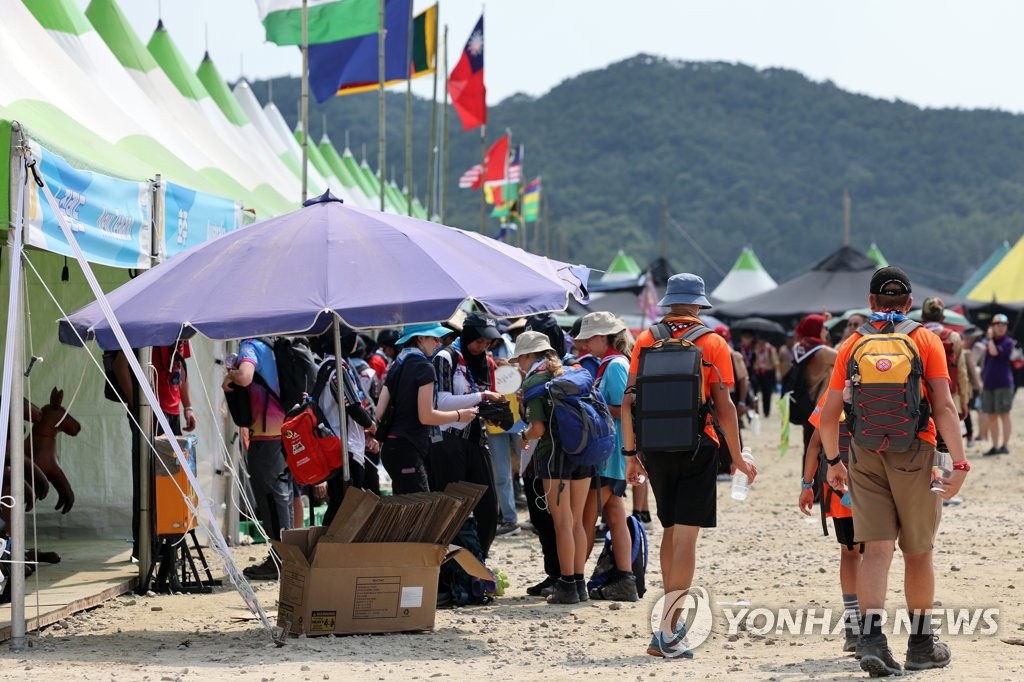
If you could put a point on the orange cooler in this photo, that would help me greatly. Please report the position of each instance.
(172, 487)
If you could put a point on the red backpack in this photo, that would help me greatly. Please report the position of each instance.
(312, 450)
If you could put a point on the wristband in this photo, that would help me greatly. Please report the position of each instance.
(806, 486)
(189, 409)
(963, 465)
(629, 453)
(832, 462)
(458, 416)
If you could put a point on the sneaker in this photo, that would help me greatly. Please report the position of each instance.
(953, 501)
(581, 590)
(1003, 450)
(621, 589)
(538, 589)
(600, 530)
(265, 571)
(563, 592)
(993, 451)
(931, 654)
(876, 658)
(644, 517)
(508, 529)
(676, 646)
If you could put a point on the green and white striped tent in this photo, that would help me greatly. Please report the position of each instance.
(747, 278)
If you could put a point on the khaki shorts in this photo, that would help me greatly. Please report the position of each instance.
(997, 401)
(890, 497)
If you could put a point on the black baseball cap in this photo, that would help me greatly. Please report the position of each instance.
(485, 325)
(890, 281)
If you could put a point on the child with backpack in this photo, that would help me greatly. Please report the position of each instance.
(608, 339)
(565, 485)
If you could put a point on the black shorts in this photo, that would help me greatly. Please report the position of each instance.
(555, 466)
(685, 486)
(617, 485)
(844, 533)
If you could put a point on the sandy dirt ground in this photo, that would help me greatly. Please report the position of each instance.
(763, 552)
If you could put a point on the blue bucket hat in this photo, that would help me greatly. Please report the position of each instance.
(410, 331)
(685, 289)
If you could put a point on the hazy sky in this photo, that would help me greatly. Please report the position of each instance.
(934, 53)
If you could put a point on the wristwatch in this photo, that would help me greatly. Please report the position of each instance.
(629, 453)
(833, 462)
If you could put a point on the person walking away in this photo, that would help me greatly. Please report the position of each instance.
(739, 399)
(813, 487)
(997, 384)
(565, 484)
(815, 359)
(766, 372)
(890, 474)
(404, 429)
(684, 482)
(272, 484)
(464, 380)
(608, 338)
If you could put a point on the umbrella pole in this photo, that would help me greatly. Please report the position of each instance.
(342, 417)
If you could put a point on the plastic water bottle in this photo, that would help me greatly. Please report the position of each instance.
(740, 484)
(755, 422)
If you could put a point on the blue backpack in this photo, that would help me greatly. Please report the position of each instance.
(585, 426)
(606, 561)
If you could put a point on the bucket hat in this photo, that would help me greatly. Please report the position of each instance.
(685, 289)
(410, 331)
(531, 342)
(599, 323)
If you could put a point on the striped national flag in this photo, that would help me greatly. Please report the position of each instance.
(472, 178)
(515, 165)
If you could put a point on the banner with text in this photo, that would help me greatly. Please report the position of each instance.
(191, 218)
(110, 216)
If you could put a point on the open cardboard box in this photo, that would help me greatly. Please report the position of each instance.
(330, 585)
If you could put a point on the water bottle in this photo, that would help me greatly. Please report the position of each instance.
(755, 422)
(740, 484)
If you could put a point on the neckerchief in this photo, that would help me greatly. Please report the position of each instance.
(889, 316)
(605, 361)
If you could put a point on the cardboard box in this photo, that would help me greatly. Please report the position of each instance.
(331, 585)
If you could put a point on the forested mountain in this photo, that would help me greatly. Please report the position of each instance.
(743, 156)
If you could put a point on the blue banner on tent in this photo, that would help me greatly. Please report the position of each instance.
(191, 218)
(109, 217)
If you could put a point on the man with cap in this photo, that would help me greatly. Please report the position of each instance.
(890, 491)
(406, 411)
(684, 483)
(465, 378)
(997, 383)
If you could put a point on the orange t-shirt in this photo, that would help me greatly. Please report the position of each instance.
(715, 350)
(933, 359)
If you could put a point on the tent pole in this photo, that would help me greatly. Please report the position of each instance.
(304, 97)
(342, 417)
(16, 345)
(382, 152)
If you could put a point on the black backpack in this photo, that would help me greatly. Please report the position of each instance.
(296, 370)
(455, 586)
(639, 552)
(670, 412)
(794, 384)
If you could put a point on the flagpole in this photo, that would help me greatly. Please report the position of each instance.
(408, 117)
(547, 226)
(444, 137)
(382, 157)
(524, 239)
(483, 187)
(304, 97)
(432, 154)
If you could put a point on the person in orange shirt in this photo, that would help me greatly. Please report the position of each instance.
(684, 482)
(890, 491)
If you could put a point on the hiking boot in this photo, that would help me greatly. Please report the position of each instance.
(930, 654)
(265, 571)
(876, 658)
(852, 642)
(538, 590)
(508, 529)
(563, 592)
(581, 590)
(622, 589)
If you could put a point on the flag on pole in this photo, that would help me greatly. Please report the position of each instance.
(472, 178)
(350, 66)
(328, 20)
(466, 82)
(649, 301)
(515, 164)
(531, 202)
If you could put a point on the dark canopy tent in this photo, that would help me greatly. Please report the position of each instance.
(837, 283)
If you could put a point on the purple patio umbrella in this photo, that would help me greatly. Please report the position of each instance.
(295, 272)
